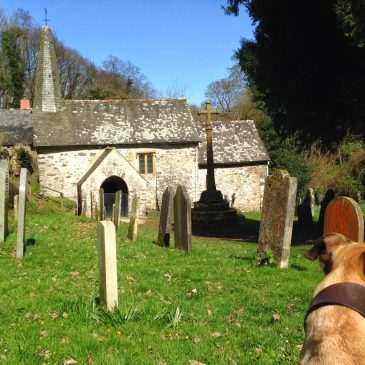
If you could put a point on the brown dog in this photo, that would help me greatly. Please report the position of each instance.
(335, 334)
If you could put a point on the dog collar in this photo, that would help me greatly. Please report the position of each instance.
(350, 295)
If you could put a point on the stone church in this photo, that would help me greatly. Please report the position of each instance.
(137, 146)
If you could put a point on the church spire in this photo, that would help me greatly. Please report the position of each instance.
(47, 90)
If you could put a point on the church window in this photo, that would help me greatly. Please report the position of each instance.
(146, 163)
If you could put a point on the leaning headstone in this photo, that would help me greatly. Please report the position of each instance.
(107, 256)
(4, 199)
(20, 239)
(164, 229)
(133, 220)
(16, 205)
(116, 211)
(101, 205)
(343, 215)
(182, 220)
(330, 195)
(277, 215)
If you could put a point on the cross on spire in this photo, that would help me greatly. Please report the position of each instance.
(46, 20)
(208, 111)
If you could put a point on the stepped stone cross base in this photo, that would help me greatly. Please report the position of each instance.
(212, 211)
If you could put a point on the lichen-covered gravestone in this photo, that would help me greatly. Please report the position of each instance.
(167, 208)
(107, 257)
(182, 220)
(343, 215)
(277, 215)
(4, 199)
(133, 220)
(20, 239)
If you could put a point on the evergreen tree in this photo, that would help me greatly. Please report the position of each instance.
(306, 64)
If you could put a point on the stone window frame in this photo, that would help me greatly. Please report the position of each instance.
(146, 170)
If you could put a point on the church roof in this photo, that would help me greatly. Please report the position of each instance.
(234, 142)
(15, 127)
(114, 122)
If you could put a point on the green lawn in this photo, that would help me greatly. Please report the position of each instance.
(214, 306)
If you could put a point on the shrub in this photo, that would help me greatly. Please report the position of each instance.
(25, 158)
(342, 170)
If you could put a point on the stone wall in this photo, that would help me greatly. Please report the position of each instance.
(247, 182)
(62, 170)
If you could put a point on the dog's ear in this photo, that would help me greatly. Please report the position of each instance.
(325, 247)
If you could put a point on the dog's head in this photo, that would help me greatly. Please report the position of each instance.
(334, 249)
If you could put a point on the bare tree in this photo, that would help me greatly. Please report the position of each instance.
(224, 93)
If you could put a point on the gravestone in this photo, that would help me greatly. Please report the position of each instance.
(343, 215)
(277, 215)
(101, 205)
(167, 208)
(304, 212)
(84, 208)
(330, 195)
(133, 220)
(182, 220)
(312, 200)
(4, 199)
(116, 210)
(20, 239)
(107, 257)
(16, 204)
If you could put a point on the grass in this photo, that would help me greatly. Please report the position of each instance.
(214, 306)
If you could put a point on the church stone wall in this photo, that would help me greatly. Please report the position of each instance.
(246, 182)
(61, 170)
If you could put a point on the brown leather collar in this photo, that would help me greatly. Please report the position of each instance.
(350, 295)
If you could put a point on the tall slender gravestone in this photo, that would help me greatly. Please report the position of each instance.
(167, 208)
(133, 220)
(4, 199)
(101, 205)
(182, 220)
(107, 254)
(343, 215)
(20, 239)
(116, 211)
(277, 215)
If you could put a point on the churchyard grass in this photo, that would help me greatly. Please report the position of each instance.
(214, 305)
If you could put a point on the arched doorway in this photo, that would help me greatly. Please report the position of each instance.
(111, 185)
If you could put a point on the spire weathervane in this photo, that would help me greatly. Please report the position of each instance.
(45, 16)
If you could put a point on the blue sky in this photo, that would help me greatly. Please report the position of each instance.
(188, 43)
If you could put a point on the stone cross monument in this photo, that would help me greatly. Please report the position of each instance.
(208, 111)
(211, 209)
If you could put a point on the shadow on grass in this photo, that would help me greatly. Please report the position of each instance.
(247, 230)
(244, 230)
(30, 242)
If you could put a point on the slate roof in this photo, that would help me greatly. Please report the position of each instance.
(15, 127)
(113, 122)
(234, 142)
